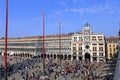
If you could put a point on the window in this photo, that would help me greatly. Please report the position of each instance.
(74, 48)
(94, 59)
(74, 44)
(110, 45)
(94, 54)
(80, 53)
(115, 41)
(94, 44)
(100, 43)
(101, 54)
(74, 53)
(110, 54)
(113, 45)
(94, 38)
(75, 39)
(80, 44)
(80, 39)
(110, 49)
(80, 48)
(100, 48)
(114, 49)
(94, 48)
(100, 38)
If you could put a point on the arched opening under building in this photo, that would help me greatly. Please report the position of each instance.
(7, 54)
(80, 58)
(43, 55)
(69, 57)
(87, 56)
(61, 57)
(65, 57)
(94, 59)
(54, 56)
(21, 55)
(31, 55)
(58, 56)
(0, 53)
(51, 56)
(14, 54)
(48, 56)
(74, 57)
(28, 54)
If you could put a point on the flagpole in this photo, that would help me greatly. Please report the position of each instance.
(6, 36)
(59, 42)
(43, 48)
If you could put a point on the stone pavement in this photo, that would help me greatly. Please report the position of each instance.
(35, 65)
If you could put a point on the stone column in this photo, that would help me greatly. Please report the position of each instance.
(77, 57)
(83, 57)
(71, 57)
(91, 58)
(97, 59)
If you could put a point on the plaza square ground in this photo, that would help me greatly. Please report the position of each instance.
(32, 69)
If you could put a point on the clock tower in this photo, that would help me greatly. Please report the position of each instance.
(87, 45)
(87, 31)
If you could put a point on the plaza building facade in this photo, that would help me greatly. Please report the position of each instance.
(88, 45)
(32, 46)
(73, 46)
(111, 46)
(20, 47)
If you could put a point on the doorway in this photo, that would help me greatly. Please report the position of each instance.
(87, 56)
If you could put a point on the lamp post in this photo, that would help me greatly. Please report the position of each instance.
(5, 45)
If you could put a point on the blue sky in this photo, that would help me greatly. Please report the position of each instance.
(25, 16)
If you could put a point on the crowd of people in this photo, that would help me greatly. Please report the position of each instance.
(20, 69)
(85, 70)
(30, 69)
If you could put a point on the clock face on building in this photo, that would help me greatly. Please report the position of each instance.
(87, 46)
(87, 38)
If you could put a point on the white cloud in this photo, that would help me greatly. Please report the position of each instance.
(63, 2)
(60, 12)
(93, 9)
(77, 1)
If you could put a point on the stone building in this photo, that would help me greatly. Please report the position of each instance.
(88, 45)
(74, 46)
(111, 45)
